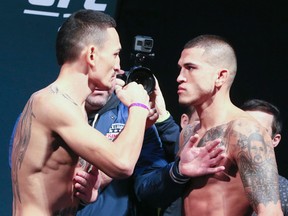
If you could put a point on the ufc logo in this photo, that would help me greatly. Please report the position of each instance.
(46, 4)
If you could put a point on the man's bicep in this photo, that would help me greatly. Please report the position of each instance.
(258, 170)
(78, 135)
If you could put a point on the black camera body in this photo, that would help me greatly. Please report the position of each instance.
(142, 75)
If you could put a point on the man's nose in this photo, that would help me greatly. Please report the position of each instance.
(120, 71)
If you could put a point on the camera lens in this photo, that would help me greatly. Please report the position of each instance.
(144, 76)
(148, 43)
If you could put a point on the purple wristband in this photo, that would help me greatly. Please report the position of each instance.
(139, 105)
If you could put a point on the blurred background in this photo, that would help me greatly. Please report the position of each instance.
(257, 29)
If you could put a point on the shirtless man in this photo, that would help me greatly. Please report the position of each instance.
(53, 129)
(207, 70)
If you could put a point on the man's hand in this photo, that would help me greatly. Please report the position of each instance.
(157, 100)
(158, 112)
(198, 161)
(151, 118)
(132, 92)
(87, 184)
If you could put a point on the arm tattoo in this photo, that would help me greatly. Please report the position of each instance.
(255, 158)
(21, 141)
(258, 169)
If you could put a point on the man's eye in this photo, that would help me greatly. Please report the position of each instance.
(190, 68)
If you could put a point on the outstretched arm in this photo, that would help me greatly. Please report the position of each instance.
(171, 180)
(116, 159)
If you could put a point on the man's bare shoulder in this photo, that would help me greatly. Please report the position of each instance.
(52, 97)
(245, 124)
(51, 106)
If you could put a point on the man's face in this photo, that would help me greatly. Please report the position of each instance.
(257, 151)
(108, 61)
(196, 78)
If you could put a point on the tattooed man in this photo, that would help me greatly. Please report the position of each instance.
(53, 129)
(269, 117)
(250, 180)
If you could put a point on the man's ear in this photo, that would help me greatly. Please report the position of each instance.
(276, 140)
(91, 55)
(222, 77)
(184, 120)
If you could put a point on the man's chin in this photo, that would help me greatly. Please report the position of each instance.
(182, 102)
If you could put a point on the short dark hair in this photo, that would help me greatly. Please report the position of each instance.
(219, 50)
(264, 106)
(81, 28)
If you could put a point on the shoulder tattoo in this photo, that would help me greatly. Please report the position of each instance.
(54, 89)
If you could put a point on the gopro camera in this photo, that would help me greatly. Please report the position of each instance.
(143, 43)
(142, 75)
